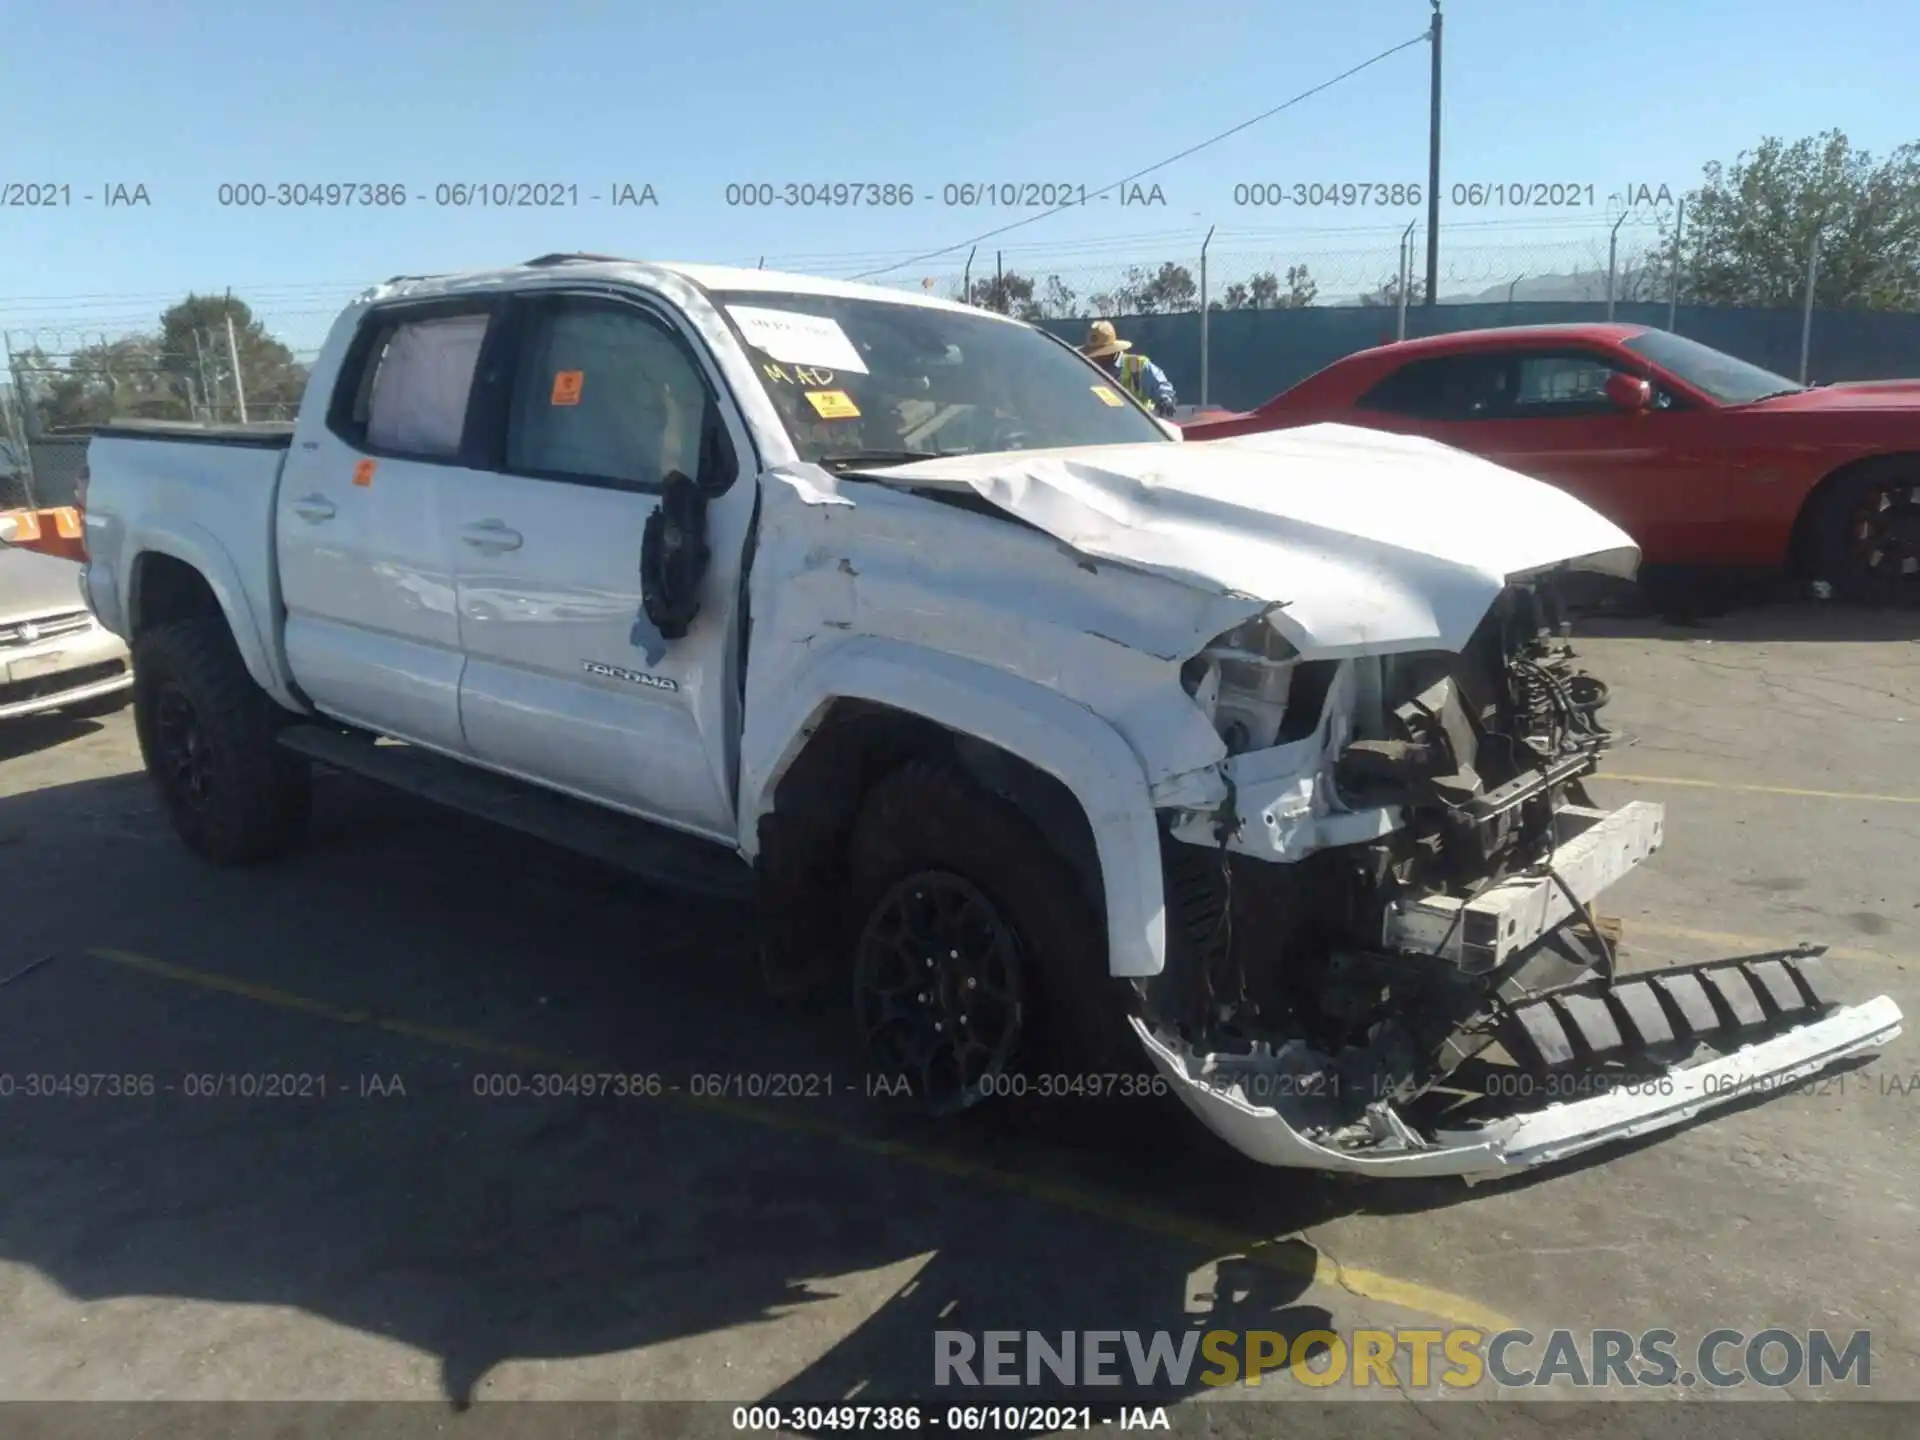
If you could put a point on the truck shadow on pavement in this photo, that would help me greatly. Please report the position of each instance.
(812, 1252)
(32, 734)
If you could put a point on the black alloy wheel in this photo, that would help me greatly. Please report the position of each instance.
(938, 988)
(184, 760)
(1883, 538)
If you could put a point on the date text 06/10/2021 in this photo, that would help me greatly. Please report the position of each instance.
(1467, 195)
(913, 1418)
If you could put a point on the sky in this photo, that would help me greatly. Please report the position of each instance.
(1599, 99)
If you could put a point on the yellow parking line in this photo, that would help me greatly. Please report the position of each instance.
(1759, 789)
(1218, 1240)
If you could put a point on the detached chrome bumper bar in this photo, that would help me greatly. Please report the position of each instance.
(1596, 849)
(1272, 1133)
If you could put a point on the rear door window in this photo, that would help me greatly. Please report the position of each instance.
(408, 394)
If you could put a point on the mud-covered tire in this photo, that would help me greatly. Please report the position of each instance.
(929, 818)
(1837, 553)
(248, 799)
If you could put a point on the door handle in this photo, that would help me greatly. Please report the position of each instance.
(492, 536)
(313, 508)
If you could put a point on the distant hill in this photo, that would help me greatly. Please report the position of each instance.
(1580, 285)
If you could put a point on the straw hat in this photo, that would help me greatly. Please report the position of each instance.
(1102, 341)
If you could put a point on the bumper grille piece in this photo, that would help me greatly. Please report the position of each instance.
(1721, 1001)
(45, 627)
(61, 682)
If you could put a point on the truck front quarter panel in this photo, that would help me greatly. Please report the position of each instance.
(993, 631)
(786, 702)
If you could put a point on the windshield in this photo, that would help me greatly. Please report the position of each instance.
(1730, 381)
(886, 381)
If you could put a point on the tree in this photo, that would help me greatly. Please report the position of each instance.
(1058, 299)
(1172, 288)
(193, 344)
(1750, 226)
(1126, 297)
(1642, 276)
(1388, 293)
(109, 379)
(1009, 293)
(1301, 288)
(1263, 290)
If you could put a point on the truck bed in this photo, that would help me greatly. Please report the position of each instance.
(262, 434)
(205, 496)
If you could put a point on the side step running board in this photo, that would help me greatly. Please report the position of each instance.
(666, 857)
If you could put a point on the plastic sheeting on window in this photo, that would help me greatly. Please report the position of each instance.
(419, 400)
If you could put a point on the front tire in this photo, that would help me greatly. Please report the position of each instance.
(207, 735)
(1866, 534)
(978, 954)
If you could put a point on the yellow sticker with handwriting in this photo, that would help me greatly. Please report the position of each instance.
(833, 404)
(1107, 395)
(567, 385)
(363, 473)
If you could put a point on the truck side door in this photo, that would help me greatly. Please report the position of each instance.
(597, 396)
(364, 548)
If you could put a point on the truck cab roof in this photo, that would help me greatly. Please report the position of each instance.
(564, 268)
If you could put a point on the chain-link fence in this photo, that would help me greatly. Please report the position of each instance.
(63, 381)
(1254, 270)
(66, 378)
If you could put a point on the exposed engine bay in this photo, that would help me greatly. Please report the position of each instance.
(1448, 970)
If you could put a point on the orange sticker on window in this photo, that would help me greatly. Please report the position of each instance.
(363, 473)
(566, 386)
(833, 404)
(1108, 395)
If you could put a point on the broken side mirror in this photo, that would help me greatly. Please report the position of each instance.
(674, 556)
(1629, 392)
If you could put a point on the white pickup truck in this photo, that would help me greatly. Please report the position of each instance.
(1249, 770)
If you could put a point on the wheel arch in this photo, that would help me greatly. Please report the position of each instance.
(1800, 541)
(186, 574)
(814, 746)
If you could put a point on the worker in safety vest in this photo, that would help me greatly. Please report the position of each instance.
(1146, 380)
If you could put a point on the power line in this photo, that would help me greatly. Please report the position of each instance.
(1419, 39)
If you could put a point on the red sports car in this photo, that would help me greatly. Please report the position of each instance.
(1702, 458)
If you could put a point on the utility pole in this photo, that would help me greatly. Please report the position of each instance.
(1673, 280)
(233, 358)
(200, 363)
(1203, 316)
(1806, 314)
(1433, 169)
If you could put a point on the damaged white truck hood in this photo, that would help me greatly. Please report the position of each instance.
(1370, 542)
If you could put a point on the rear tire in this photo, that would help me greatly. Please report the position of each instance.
(1866, 533)
(207, 735)
(963, 912)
